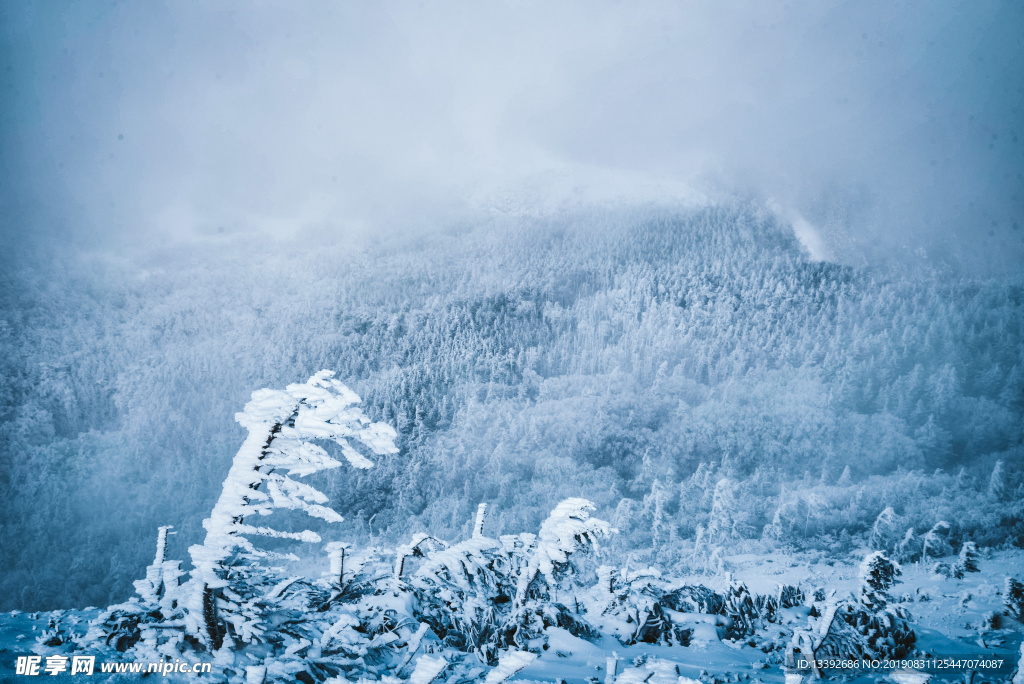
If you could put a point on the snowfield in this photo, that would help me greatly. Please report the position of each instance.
(553, 606)
(950, 617)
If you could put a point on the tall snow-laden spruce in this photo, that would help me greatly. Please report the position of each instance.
(282, 425)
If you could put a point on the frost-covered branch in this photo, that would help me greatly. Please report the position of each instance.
(569, 528)
(282, 425)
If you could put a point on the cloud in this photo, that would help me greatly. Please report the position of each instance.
(890, 126)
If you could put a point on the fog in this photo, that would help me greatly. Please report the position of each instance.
(884, 129)
(657, 255)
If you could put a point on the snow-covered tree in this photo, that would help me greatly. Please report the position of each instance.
(773, 530)
(157, 582)
(568, 530)
(229, 581)
(967, 560)
(721, 528)
(908, 548)
(997, 482)
(478, 523)
(634, 609)
(877, 575)
(935, 542)
(883, 530)
(488, 595)
(1013, 598)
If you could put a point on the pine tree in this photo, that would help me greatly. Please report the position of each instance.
(967, 561)
(229, 582)
(1013, 598)
(877, 575)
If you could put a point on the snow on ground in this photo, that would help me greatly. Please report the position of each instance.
(950, 616)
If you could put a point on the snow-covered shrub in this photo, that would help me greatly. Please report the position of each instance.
(877, 575)
(749, 612)
(864, 628)
(353, 572)
(488, 595)
(744, 611)
(464, 593)
(1013, 598)
(790, 596)
(849, 631)
(56, 633)
(550, 566)
(567, 531)
(638, 610)
(118, 626)
(644, 608)
(695, 599)
(154, 616)
(967, 560)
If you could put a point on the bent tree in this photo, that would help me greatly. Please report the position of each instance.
(229, 580)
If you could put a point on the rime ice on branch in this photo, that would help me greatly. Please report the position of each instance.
(568, 529)
(282, 425)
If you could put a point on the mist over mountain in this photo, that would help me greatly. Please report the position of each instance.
(891, 128)
(644, 359)
(742, 275)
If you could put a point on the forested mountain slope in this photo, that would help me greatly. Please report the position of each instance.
(693, 372)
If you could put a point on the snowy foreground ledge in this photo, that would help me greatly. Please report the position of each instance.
(948, 618)
(517, 607)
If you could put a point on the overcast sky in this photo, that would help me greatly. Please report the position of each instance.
(888, 125)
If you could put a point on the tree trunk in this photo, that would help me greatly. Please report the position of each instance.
(213, 631)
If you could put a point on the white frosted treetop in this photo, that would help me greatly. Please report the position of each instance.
(282, 425)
